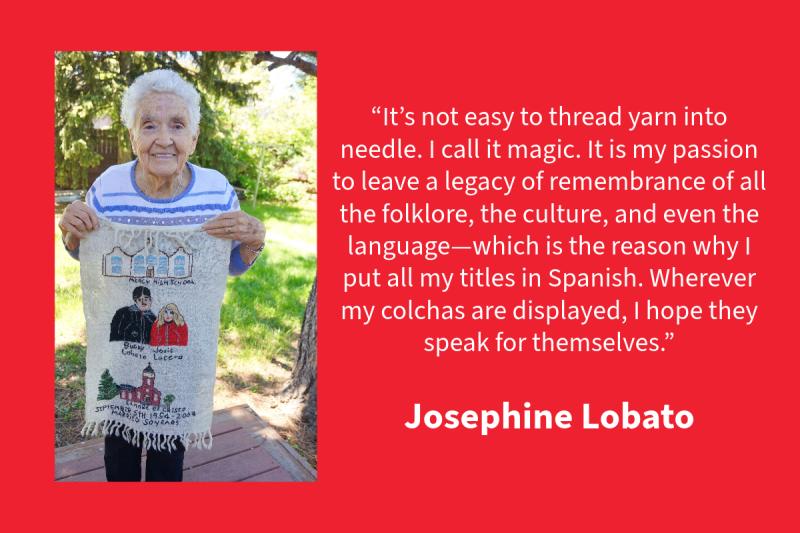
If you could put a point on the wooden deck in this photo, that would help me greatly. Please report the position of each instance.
(245, 448)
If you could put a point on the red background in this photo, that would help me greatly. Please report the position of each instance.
(734, 470)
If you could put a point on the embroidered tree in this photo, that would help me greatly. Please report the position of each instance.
(107, 390)
(168, 399)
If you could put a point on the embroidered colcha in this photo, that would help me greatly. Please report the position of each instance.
(152, 298)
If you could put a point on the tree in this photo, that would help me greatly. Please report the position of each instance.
(168, 399)
(306, 62)
(282, 131)
(280, 128)
(107, 390)
(303, 382)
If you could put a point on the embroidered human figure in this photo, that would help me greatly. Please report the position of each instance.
(170, 329)
(134, 322)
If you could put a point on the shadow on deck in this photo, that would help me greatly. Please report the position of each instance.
(245, 448)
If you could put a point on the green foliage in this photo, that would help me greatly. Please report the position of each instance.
(168, 399)
(257, 136)
(223, 148)
(281, 131)
(90, 85)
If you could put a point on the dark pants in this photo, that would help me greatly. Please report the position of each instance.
(124, 462)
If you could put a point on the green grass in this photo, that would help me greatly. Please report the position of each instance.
(260, 320)
(263, 310)
(70, 325)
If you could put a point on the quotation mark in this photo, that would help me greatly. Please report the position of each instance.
(390, 115)
(668, 336)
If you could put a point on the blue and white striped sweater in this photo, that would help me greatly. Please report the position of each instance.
(115, 196)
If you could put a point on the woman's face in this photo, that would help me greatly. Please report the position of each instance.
(161, 136)
(168, 315)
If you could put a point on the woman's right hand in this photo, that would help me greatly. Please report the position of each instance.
(76, 222)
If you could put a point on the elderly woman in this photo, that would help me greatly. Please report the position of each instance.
(160, 187)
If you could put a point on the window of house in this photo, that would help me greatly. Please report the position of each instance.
(116, 265)
(138, 265)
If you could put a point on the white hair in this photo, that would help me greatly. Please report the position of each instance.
(160, 81)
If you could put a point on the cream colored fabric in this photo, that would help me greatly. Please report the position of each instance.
(150, 372)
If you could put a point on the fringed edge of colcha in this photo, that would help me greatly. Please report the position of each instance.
(185, 236)
(146, 439)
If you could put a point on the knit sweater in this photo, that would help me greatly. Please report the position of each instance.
(116, 197)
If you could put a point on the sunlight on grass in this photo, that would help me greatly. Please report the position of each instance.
(263, 310)
(70, 325)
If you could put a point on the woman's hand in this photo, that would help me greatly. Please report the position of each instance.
(237, 226)
(76, 222)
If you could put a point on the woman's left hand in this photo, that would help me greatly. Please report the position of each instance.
(236, 226)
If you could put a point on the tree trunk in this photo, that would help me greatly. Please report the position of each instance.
(303, 383)
(304, 375)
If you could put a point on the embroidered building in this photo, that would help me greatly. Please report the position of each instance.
(180, 264)
(146, 394)
(116, 263)
(154, 264)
